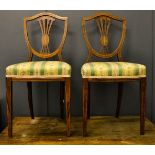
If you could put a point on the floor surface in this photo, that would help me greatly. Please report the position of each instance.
(101, 130)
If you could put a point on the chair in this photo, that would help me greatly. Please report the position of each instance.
(41, 71)
(113, 71)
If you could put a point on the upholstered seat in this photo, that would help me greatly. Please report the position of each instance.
(39, 68)
(113, 69)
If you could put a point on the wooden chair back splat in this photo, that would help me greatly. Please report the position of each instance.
(45, 20)
(103, 21)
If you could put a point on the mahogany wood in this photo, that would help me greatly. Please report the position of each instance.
(103, 21)
(45, 20)
(62, 99)
(67, 101)
(88, 111)
(85, 106)
(9, 104)
(104, 38)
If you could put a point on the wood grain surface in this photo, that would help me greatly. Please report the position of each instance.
(101, 130)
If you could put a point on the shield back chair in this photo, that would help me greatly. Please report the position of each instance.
(41, 71)
(112, 71)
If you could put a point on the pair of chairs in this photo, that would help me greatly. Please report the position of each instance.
(43, 71)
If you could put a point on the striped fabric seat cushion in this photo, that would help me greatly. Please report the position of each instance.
(112, 69)
(39, 68)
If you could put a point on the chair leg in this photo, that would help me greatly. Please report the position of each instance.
(142, 104)
(119, 98)
(67, 101)
(85, 106)
(88, 110)
(30, 100)
(9, 104)
(62, 92)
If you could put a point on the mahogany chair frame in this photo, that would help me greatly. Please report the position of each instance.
(117, 52)
(64, 81)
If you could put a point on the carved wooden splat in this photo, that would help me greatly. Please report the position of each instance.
(103, 24)
(45, 23)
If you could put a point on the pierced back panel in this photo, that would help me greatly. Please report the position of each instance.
(45, 21)
(104, 22)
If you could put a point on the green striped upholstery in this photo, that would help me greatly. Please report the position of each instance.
(112, 69)
(39, 68)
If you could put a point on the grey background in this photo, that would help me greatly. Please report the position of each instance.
(138, 48)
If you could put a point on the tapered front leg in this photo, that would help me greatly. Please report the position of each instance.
(88, 110)
(142, 104)
(85, 106)
(30, 99)
(67, 101)
(9, 104)
(62, 100)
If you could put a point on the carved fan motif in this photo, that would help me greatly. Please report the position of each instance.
(45, 20)
(103, 24)
(103, 21)
(45, 25)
